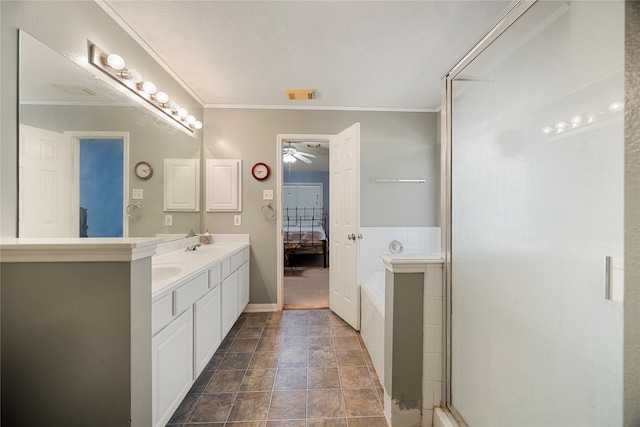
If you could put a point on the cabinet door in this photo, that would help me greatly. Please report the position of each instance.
(172, 366)
(207, 329)
(182, 185)
(229, 302)
(224, 185)
(243, 287)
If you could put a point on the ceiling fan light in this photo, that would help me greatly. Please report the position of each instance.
(288, 158)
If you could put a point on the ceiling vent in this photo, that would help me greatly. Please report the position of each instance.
(297, 94)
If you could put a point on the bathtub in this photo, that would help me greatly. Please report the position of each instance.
(372, 318)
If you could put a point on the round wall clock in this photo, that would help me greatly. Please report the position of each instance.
(143, 170)
(260, 171)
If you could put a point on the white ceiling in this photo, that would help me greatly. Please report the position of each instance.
(368, 55)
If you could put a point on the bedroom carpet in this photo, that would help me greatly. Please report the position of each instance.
(306, 288)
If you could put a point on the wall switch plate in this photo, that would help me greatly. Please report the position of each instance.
(267, 194)
(168, 220)
(237, 220)
(136, 194)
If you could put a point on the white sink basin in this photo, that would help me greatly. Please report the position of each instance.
(164, 272)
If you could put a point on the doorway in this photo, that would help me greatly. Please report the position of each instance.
(305, 223)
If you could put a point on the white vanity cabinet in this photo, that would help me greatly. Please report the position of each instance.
(172, 366)
(189, 320)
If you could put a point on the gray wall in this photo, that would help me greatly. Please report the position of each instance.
(64, 26)
(393, 145)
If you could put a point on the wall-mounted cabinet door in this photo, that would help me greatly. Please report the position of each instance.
(182, 185)
(224, 185)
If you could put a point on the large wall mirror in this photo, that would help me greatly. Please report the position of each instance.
(80, 140)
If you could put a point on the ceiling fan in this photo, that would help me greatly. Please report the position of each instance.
(290, 154)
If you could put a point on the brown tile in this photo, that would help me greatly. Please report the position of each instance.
(276, 319)
(269, 344)
(350, 358)
(198, 425)
(374, 377)
(362, 402)
(214, 362)
(293, 358)
(320, 378)
(185, 408)
(346, 343)
(367, 357)
(297, 331)
(319, 330)
(321, 343)
(212, 408)
(322, 359)
(287, 423)
(325, 404)
(250, 406)
(291, 379)
(246, 424)
(264, 360)
(295, 343)
(330, 422)
(258, 380)
(253, 322)
(244, 345)
(288, 405)
(380, 392)
(273, 332)
(235, 361)
(250, 332)
(368, 422)
(201, 382)
(225, 381)
(355, 377)
(342, 331)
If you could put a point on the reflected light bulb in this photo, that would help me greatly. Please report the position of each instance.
(197, 124)
(115, 61)
(562, 126)
(162, 97)
(547, 130)
(616, 106)
(171, 105)
(576, 120)
(190, 119)
(182, 112)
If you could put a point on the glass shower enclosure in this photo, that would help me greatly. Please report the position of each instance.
(536, 221)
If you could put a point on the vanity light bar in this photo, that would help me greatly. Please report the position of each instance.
(114, 66)
(579, 121)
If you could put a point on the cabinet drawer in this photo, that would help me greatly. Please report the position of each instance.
(226, 268)
(161, 313)
(187, 294)
(214, 276)
(237, 260)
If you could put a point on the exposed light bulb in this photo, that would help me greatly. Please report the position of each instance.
(115, 61)
(182, 112)
(149, 88)
(190, 119)
(132, 75)
(616, 106)
(171, 105)
(162, 97)
(197, 124)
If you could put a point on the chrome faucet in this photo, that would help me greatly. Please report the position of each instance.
(192, 247)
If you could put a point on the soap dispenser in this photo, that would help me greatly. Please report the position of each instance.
(206, 238)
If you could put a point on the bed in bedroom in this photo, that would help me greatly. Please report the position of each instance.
(305, 233)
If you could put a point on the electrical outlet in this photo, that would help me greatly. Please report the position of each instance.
(136, 194)
(267, 194)
(168, 220)
(237, 220)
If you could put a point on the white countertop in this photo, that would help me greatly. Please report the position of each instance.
(35, 249)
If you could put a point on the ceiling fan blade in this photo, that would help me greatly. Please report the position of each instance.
(307, 154)
(299, 157)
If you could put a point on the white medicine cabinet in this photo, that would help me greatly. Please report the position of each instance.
(182, 185)
(224, 185)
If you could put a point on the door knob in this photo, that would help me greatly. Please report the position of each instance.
(351, 236)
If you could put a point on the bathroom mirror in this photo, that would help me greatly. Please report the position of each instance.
(80, 140)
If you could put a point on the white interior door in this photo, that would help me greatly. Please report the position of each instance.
(344, 195)
(46, 184)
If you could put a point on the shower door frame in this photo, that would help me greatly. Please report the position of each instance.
(513, 11)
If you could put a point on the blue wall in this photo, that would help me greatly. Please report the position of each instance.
(311, 177)
(101, 163)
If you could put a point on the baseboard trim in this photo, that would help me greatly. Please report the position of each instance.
(260, 308)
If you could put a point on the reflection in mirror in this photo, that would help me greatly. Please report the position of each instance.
(79, 140)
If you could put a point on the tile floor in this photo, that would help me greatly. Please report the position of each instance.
(296, 368)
